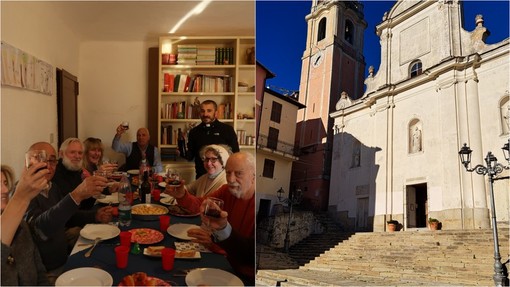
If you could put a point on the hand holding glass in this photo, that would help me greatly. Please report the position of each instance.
(35, 156)
(213, 207)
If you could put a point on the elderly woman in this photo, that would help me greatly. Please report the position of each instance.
(93, 158)
(21, 261)
(214, 157)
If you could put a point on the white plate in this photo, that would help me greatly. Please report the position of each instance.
(180, 230)
(162, 184)
(133, 171)
(168, 200)
(212, 277)
(103, 231)
(111, 198)
(86, 276)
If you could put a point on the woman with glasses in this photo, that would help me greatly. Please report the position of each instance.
(214, 158)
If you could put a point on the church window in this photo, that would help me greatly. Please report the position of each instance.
(276, 112)
(415, 69)
(349, 31)
(321, 33)
(268, 168)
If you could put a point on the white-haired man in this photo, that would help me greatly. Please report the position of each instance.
(234, 230)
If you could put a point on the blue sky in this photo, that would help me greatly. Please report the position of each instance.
(281, 33)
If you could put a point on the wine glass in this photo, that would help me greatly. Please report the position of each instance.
(35, 156)
(173, 177)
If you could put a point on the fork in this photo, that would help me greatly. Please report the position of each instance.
(93, 246)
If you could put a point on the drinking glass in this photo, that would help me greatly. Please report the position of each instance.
(125, 125)
(102, 174)
(35, 156)
(173, 177)
(213, 207)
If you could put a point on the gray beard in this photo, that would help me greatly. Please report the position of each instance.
(69, 165)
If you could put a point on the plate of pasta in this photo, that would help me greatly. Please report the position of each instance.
(148, 211)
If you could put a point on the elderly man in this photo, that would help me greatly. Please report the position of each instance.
(234, 230)
(69, 170)
(136, 151)
(54, 210)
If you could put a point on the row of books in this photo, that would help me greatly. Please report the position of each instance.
(169, 135)
(180, 110)
(185, 110)
(244, 139)
(197, 83)
(204, 55)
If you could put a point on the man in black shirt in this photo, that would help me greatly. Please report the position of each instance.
(210, 131)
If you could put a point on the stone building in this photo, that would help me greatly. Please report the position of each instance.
(395, 149)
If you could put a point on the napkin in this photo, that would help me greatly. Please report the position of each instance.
(181, 246)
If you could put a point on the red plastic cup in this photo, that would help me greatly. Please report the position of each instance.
(167, 258)
(156, 194)
(121, 256)
(164, 222)
(125, 239)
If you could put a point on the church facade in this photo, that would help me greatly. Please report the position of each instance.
(395, 148)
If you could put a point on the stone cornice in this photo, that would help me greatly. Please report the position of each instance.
(393, 20)
(472, 61)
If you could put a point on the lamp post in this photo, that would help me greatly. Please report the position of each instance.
(293, 198)
(492, 169)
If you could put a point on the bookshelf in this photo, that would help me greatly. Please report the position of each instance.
(194, 69)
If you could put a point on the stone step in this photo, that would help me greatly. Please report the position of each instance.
(460, 257)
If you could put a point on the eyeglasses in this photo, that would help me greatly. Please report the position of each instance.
(52, 162)
(211, 159)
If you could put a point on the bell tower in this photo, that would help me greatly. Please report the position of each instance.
(332, 63)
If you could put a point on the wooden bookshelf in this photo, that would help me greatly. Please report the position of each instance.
(194, 69)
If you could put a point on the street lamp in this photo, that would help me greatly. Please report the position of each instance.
(294, 198)
(492, 169)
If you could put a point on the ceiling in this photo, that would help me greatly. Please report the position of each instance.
(147, 20)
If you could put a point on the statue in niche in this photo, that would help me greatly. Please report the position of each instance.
(416, 140)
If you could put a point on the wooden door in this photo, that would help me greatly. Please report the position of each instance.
(67, 105)
(362, 214)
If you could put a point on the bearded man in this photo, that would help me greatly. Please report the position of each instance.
(234, 229)
(68, 173)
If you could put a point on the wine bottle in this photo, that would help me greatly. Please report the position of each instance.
(145, 188)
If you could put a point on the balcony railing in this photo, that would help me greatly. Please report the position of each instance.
(280, 146)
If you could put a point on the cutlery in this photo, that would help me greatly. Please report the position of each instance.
(183, 272)
(93, 246)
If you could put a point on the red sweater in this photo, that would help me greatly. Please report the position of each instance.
(240, 246)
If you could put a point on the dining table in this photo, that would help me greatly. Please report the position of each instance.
(103, 255)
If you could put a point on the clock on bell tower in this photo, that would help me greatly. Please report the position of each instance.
(332, 63)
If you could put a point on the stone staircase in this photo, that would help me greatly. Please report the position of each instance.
(411, 258)
(316, 244)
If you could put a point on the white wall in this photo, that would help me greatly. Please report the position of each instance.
(112, 78)
(113, 88)
(28, 117)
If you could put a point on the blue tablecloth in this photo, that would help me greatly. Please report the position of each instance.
(103, 256)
